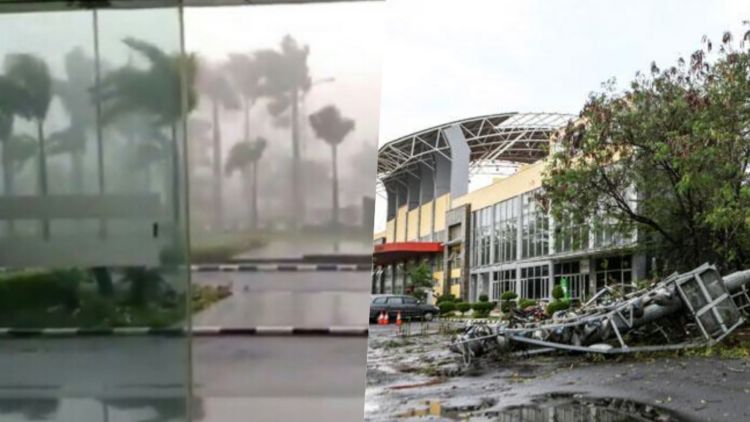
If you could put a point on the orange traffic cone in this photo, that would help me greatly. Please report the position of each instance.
(385, 319)
(398, 318)
(380, 318)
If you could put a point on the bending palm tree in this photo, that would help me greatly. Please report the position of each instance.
(245, 156)
(74, 94)
(285, 77)
(31, 75)
(155, 91)
(246, 76)
(216, 87)
(331, 127)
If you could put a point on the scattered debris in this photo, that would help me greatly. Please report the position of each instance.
(692, 309)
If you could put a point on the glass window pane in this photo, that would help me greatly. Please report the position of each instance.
(98, 235)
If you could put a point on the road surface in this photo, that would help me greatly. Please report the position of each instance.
(118, 379)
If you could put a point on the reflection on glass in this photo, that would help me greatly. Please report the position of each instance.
(91, 117)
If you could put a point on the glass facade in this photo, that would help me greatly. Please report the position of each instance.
(92, 212)
(614, 271)
(116, 125)
(535, 282)
(570, 236)
(503, 281)
(506, 230)
(534, 227)
(578, 283)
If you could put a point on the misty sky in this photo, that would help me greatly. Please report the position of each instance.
(448, 60)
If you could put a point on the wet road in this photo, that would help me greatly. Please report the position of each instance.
(235, 378)
(403, 376)
(300, 299)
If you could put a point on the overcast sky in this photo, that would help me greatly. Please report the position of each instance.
(448, 60)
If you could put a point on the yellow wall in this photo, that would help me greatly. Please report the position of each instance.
(438, 277)
(527, 178)
(389, 231)
(455, 272)
(442, 203)
(378, 235)
(401, 224)
(425, 224)
(413, 217)
(456, 290)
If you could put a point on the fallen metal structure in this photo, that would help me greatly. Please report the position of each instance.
(692, 309)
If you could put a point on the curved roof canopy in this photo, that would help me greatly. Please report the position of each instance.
(495, 138)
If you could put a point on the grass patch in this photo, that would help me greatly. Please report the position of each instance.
(205, 296)
(67, 298)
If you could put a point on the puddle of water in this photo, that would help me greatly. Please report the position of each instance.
(553, 407)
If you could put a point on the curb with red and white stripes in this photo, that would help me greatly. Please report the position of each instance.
(278, 267)
(199, 331)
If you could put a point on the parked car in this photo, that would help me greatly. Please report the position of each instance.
(410, 308)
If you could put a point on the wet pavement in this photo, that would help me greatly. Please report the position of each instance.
(299, 299)
(417, 377)
(130, 379)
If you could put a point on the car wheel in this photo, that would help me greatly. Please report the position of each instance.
(428, 316)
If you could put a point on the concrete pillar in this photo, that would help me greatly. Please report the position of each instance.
(459, 183)
(638, 266)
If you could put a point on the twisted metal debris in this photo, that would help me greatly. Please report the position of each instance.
(692, 309)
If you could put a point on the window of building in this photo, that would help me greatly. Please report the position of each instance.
(614, 271)
(506, 230)
(571, 236)
(534, 227)
(503, 281)
(535, 282)
(455, 232)
(577, 283)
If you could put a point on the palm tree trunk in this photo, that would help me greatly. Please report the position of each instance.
(254, 196)
(43, 188)
(175, 178)
(218, 196)
(8, 183)
(247, 187)
(335, 197)
(76, 167)
(298, 203)
(99, 132)
(335, 186)
(247, 119)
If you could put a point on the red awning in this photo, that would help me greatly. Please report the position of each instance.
(388, 253)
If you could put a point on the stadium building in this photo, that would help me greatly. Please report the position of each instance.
(496, 238)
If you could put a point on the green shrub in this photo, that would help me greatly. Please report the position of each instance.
(557, 292)
(445, 298)
(463, 307)
(482, 309)
(525, 303)
(40, 289)
(557, 305)
(446, 307)
(509, 295)
(484, 298)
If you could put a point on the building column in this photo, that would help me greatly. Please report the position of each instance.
(551, 278)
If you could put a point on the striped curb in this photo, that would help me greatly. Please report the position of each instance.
(201, 331)
(267, 267)
(472, 320)
(278, 267)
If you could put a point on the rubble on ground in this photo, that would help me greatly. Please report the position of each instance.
(692, 309)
